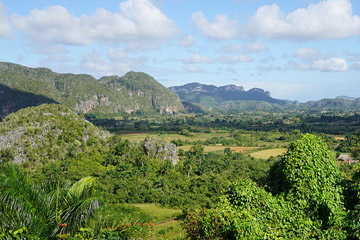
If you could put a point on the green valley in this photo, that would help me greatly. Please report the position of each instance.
(157, 173)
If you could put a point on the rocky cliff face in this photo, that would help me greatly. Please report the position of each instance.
(162, 150)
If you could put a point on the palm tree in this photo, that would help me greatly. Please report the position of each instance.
(46, 209)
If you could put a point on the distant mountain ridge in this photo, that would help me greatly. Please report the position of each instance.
(331, 104)
(228, 96)
(235, 98)
(138, 92)
(22, 87)
(345, 97)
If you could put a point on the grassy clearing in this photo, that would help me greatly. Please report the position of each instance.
(265, 154)
(169, 230)
(221, 148)
(137, 137)
(166, 224)
(158, 214)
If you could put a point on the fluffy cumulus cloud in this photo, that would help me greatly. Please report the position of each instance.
(334, 64)
(116, 62)
(197, 58)
(331, 65)
(328, 19)
(222, 28)
(136, 21)
(5, 29)
(312, 60)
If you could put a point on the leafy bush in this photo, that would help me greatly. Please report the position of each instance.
(307, 203)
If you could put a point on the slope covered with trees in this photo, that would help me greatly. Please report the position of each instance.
(22, 86)
(301, 195)
(303, 199)
(45, 134)
(228, 97)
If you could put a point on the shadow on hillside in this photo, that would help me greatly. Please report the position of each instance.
(12, 100)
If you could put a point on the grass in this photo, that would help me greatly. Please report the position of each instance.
(159, 214)
(265, 154)
(137, 137)
(167, 225)
(221, 148)
(171, 230)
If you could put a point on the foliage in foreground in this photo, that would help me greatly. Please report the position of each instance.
(38, 211)
(306, 202)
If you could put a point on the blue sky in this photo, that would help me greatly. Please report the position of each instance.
(298, 50)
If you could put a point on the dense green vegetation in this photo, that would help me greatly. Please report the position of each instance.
(134, 92)
(231, 98)
(68, 148)
(304, 200)
(215, 184)
(40, 211)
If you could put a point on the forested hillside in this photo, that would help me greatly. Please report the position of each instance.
(53, 144)
(228, 97)
(22, 86)
(232, 98)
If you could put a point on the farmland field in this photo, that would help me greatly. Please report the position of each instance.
(137, 137)
(265, 154)
(221, 148)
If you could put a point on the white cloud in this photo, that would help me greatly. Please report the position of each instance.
(334, 64)
(222, 28)
(5, 29)
(136, 21)
(117, 54)
(235, 59)
(251, 48)
(117, 62)
(328, 19)
(193, 69)
(187, 41)
(306, 53)
(197, 58)
(331, 65)
(93, 62)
